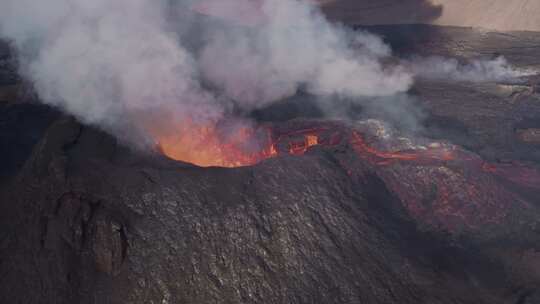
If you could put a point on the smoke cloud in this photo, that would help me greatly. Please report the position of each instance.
(102, 60)
(297, 46)
(107, 61)
(478, 70)
(159, 64)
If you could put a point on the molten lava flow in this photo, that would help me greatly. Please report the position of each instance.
(440, 184)
(447, 186)
(207, 146)
(430, 154)
(299, 148)
(519, 174)
(515, 172)
(244, 145)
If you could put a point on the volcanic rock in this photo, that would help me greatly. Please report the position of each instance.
(9, 93)
(529, 135)
(110, 225)
(449, 215)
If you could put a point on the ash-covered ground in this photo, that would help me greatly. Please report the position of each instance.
(445, 212)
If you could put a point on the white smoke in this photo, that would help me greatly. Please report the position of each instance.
(101, 60)
(113, 63)
(106, 61)
(477, 70)
(297, 46)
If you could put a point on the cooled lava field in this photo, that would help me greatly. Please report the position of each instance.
(326, 210)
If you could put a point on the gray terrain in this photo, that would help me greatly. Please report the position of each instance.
(500, 15)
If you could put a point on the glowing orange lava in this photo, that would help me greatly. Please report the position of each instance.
(299, 148)
(206, 146)
(386, 158)
(441, 184)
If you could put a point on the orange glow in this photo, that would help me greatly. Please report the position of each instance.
(299, 148)
(205, 146)
(243, 145)
(489, 168)
(312, 140)
(386, 158)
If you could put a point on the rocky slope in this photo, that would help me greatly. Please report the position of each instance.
(84, 219)
(87, 225)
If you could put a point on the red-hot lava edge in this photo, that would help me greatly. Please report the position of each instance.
(440, 184)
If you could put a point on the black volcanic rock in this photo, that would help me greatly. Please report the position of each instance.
(8, 75)
(107, 225)
(21, 127)
(84, 219)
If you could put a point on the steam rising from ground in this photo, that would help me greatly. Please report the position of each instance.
(111, 63)
(297, 46)
(496, 69)
(105, 61)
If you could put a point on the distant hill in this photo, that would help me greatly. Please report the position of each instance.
(501, 15)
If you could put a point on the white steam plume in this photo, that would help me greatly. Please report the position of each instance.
(117, 63)
(105, 61)
(297, 46)
(478, 70)
(101, 60)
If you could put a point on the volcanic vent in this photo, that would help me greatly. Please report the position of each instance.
(438, 182)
